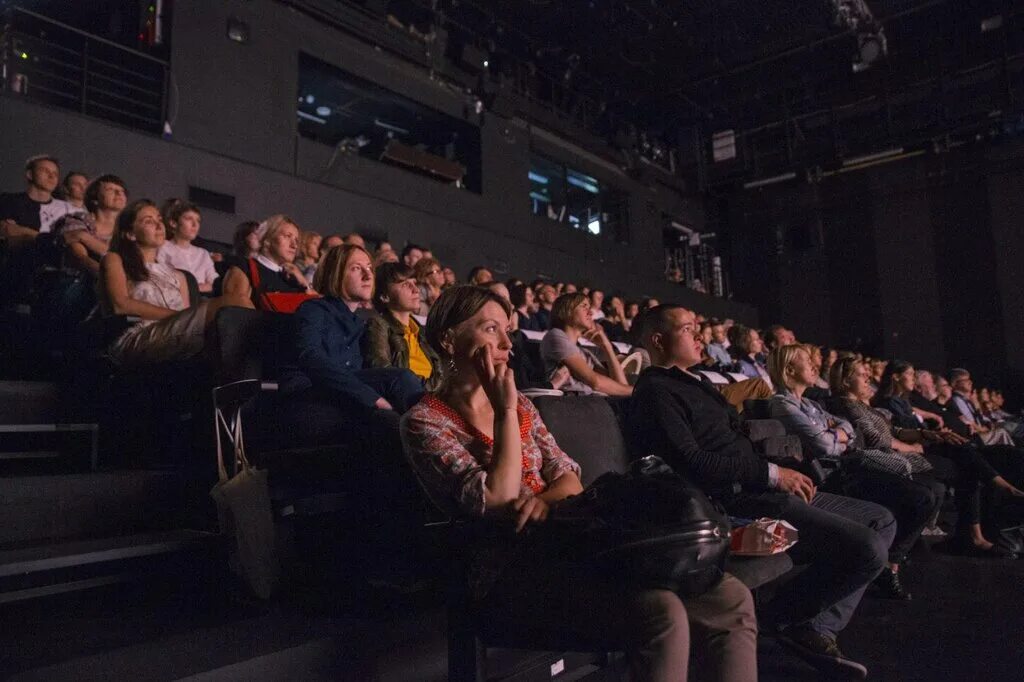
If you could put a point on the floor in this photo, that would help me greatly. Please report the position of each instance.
(966, 621)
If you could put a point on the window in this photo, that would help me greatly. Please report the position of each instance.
(362, 118)
(569, 196)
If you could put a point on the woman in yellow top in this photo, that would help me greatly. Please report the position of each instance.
(393, 338)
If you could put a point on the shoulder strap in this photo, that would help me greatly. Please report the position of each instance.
(254, 274)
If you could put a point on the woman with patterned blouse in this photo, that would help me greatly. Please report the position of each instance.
(482, 451)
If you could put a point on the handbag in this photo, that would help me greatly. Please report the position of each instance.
(647, 527)
(244, 512)
(276, 301)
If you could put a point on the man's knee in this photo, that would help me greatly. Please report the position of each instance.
(661, 620)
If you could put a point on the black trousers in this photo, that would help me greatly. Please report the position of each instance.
(913, 502)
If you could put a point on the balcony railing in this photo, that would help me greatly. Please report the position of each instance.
(52, 63)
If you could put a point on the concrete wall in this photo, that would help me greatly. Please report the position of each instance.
(232, 110)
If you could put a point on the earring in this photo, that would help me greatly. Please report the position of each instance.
(452, 369)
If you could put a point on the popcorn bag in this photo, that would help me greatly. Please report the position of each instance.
(763, 537)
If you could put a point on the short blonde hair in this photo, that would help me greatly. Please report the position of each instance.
(269, 228)
(779, 359)
(331, 271)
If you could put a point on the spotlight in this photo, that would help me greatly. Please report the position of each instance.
(238, 30)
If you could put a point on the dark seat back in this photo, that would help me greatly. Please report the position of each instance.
(586, 428)
(247, 344)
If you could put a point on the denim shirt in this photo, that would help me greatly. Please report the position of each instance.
(326, 343)
(817, 429)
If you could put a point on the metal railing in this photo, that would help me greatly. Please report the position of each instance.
(46, 61)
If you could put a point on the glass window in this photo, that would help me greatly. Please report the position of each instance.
(566, 195)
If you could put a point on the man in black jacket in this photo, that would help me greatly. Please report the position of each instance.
(844, 542)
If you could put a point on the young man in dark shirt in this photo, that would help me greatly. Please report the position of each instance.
(23, 215)
(844, 542)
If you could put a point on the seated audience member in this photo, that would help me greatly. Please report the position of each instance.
(777, 335)
(546, 295)
(614, 320)
(393, 338)
(980, 427)
(569, 288)
(330, 241)
(246, 240)
(479, 276)
(632, 311)
(717, 346)
(132, 282)
(86, 237)
(649, 304)
(521, 297)
(309, 254)
(481, 451)
(844, 542)
(450, 279)
(967, 467)
(24, 215)
(355, 239)
(328, 335)
(745, 347)
(571, 321)
(528, 373)
(272, 278)
(430, 277)
(381, 256)
(182, 221)
(411, 254)
(72, 189)
(881, 476)
(877, 366)
(596, 297)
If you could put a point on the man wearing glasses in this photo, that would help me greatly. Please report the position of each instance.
(682, 418)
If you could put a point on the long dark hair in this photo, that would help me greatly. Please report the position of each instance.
(386, 275)
(242, 232)
(892, 369)
(131, 256)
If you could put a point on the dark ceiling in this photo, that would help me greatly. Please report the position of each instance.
(777, 72)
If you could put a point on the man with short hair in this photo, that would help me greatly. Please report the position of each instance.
(25, 215)
(777, 335)
(330, 241)
(411, 254)
(682, 418)
(546, 297)
(354, 238)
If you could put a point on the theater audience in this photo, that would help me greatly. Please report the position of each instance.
(182, 221)
(614, 319)
(844, 542)
(24, 215)
(327, 344)
(133, 283)
(246, 241)
(271, 278)
(986, 432)
(967, 467)
(745, 347)
(411, 254)
(450, 279)
(72, 189)
(521, 298)
(546, 295)
(393, 338)
(717, 346)
(881, 476)
(571, 320)
(479, 276)
(430, 277)
(330, 241)
(596, 297)
(309, 254)
(632, 310)
(85, 237)
(482, 451)
(777, 335)
(355, 239)
(381, 256)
